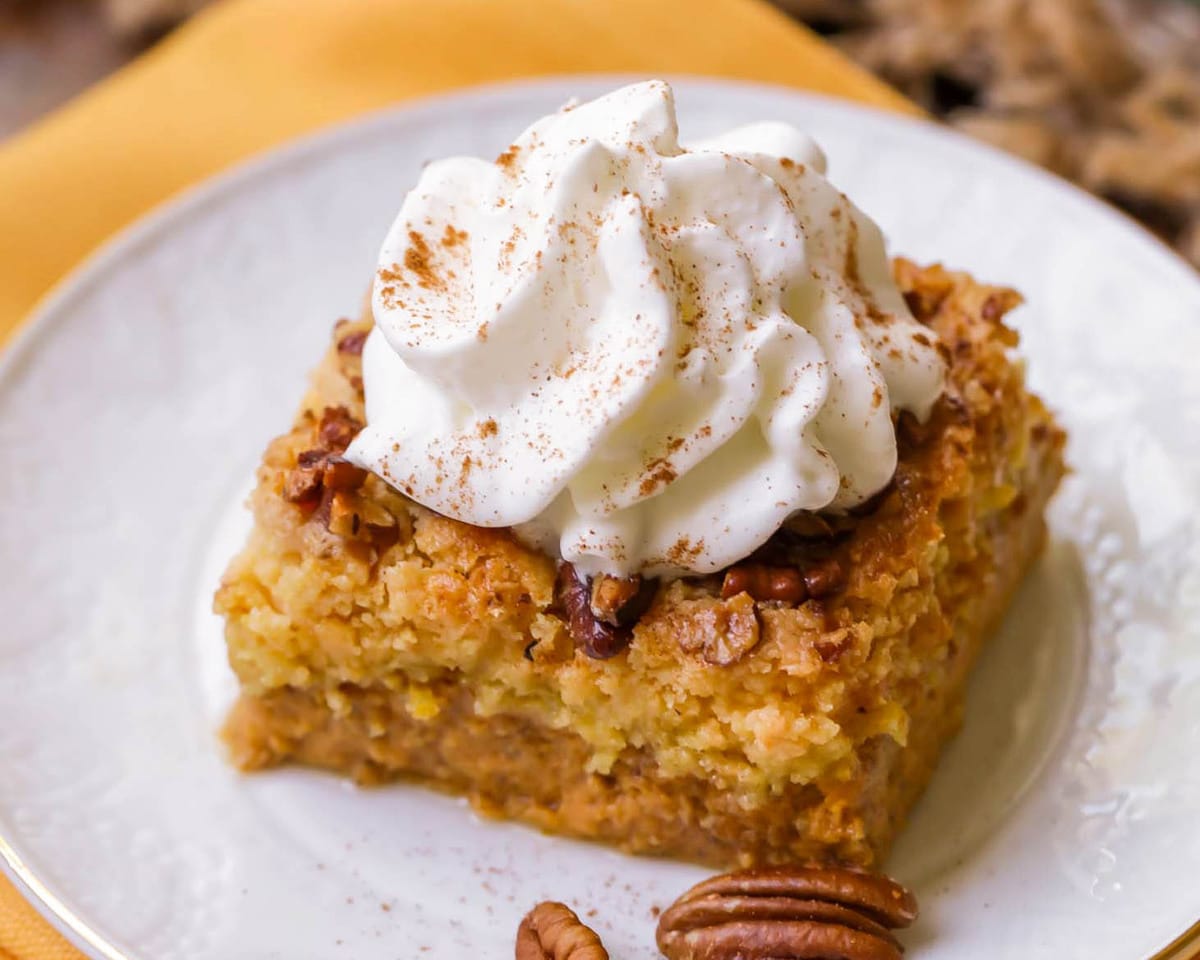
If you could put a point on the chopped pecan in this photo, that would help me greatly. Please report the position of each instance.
(341, 474)
(620, 601)
(598, 639)
(355, 517)
(824, 577)
(352, 343)
(831, 650)
(337, 428)
(302, 485)
(788, 913)
(925, 302)
(312, 458)
(552, 931)
(721, 633)
(317, 471)
(764, 583)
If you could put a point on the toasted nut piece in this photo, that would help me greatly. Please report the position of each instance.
(598, 639)
(552, 931)
(710, 911)
(318, 470)
(788, 913)
(337, 428)
(722, 633)
(352, 516)
(830, 650)
(876, 894)
(343, 520)
(620, 601)
(302, 485)
(352, 343)
(341, 474)
(780, 940)
(374, 514)
(312, 458)
(610, 594)
(824, 577)
(784, 584)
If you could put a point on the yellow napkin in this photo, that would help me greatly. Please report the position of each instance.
(247, 74)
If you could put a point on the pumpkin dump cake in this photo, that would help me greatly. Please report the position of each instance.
(646, 503)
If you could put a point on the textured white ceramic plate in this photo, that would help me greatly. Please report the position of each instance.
(1064, 822)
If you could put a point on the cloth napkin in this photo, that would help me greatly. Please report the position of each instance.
(247, 74)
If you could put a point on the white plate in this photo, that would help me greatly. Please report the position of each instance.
(1064, 822)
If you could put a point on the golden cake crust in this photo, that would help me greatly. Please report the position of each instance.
(376, 638)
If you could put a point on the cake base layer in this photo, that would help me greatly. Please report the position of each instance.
(514, 767)
(382, 641)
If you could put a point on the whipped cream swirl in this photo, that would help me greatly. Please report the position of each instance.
(643, 357)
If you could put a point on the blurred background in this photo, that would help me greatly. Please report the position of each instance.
(1103, 92)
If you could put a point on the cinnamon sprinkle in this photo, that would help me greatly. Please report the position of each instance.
(658, 474)
(418, 261)
(508, 157)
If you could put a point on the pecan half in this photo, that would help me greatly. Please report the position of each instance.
(788, 913)
(598, 639)
(764, 583)
(620, 601)
(552, 931)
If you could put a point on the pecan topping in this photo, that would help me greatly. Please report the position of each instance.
(319, 470)
(325, 484)
(323, 467)
(598, 639)
(831, 650)
(355, 517)
(722, 633)
(352, 343)
(341, 474)
(303, 485)
(620, 601)
(788, 913)
(552, 931)
(926, 302)
(312, 458)
(824, 577)
(337, 428)
(764, 583)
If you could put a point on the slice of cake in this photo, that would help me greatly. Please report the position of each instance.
(645, 504)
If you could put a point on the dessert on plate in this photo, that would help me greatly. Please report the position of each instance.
(647, 502)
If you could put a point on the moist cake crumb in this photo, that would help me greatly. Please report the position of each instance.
(737, 730)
